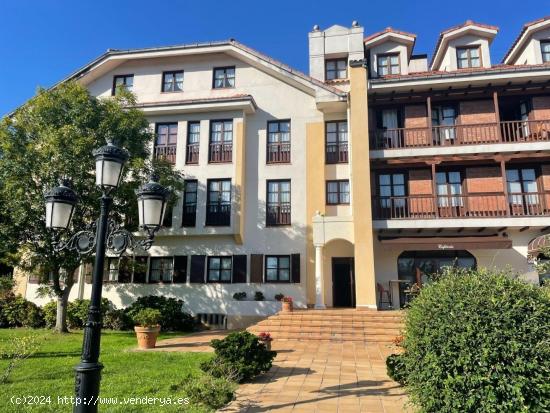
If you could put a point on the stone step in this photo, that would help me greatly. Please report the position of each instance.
(345, 324)
(375, 338)
(308, 328)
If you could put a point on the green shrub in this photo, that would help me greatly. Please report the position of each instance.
(212, 392)
(478, 341)
(16, 311)
(279, 296)
(259, 296)
(77, 311)
(147, 317)
(242, 353)
(395, 366)
(50, 312)
(239, 296)
(6, 286)
(173, 316)
(115, 319)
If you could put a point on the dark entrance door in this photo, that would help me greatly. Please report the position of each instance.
(343, 282)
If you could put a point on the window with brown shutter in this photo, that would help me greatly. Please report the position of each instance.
(196, 274)
(140, 270)
(295, 268)
(256, 268)
(239, 268)
(180, 269)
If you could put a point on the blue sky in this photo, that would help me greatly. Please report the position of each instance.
(42, 41)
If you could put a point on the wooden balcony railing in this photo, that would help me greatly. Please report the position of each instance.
(220, 152)
(192, 154)
(166, 152)
(478, 205)
(468, 134)
(218, 214)
(278, 152)
(278, 214)
(336, 152)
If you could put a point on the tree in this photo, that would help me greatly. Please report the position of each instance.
(51, 137)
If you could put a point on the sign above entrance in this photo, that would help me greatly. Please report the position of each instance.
(449, 243)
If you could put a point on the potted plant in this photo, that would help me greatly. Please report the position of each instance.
(259, 296)
(287, 304)
(279, 297)
(147, 327)
(239, 296)
(266, 339)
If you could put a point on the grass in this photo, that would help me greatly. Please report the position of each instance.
(49, 372)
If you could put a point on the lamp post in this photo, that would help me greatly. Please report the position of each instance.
(102, 235)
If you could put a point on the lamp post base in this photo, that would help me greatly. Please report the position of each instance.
(87, 379)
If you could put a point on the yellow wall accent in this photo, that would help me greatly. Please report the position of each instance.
(240, 174)
(365, 282)
(315, 194)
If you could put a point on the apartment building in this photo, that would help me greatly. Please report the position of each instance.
(378, 167)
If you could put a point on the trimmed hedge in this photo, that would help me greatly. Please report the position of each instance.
(16, 311)
(478, 341)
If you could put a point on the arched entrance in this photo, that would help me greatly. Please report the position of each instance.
(339, 273)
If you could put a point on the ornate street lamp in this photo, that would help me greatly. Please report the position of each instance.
(101, 235)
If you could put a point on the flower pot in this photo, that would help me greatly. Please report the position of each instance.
(287, 306)
(147, 336)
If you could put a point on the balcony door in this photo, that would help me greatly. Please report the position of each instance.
(393, 201)
(390, 127)
(444, 125)
(523, 191)
(449, 193)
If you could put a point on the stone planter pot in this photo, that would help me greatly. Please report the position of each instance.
(287, 307)
(147, 336)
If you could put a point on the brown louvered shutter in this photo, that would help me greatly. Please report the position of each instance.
(88, 270)
(180, 269)
(256, 268)
(295, 264)
(140, 270)
(197, 268)
(239, 268)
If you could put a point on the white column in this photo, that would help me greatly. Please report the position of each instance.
(319, 288)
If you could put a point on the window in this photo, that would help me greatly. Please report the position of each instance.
(467, 57)
(218, 208)
(391, 188)
(449, 189)
(522, 187)
(221, 141)
(189, 214)
(224, 77)
(278, 203)
(172, 81)
(336, 69)
(277, 268)
(388, 64)
(119, 269)
(219, 269)
(545, 49)
(193, 141)
(337, 192)
(161, 269)
(443, 123)
(112, 264)
(166, 141)
(336, 142)
(122, 82)
(278, 141)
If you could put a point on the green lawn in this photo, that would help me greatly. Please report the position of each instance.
(49, 372)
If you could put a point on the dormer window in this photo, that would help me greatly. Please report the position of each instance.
(336, 69)
(388, 64)
(467, 57)
(545, 49)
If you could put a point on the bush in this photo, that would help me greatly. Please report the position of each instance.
(279, 296)
(50, 312)
(115, 319)
(209, 391)
(6, 287)
(16, 311)
(239, 296)
(478, 341)
(242, 353)
(147, 317)
(259, 296)
(395, 366)
(77, 311)
(173, 316)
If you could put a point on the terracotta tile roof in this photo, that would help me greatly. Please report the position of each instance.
(458, 27)
(494, 68)
(387, 30)
(521, 33)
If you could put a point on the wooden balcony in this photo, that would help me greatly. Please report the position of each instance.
(278, 214)
(189, 215)
(192, 154)
(166, 152)
(336, 153)
(477, 205)
(220, 152)
(218, 214)
(468, 134)
(278, 152)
